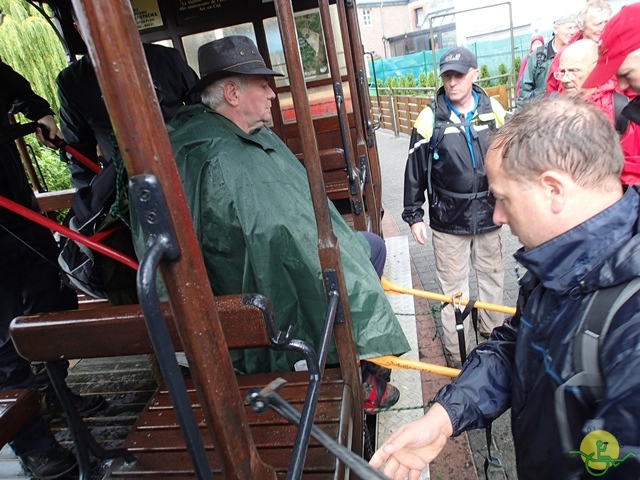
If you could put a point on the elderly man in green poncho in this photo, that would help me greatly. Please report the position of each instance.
(252, 212)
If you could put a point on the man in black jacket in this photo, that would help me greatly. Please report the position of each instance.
(84, 120)
(30, 282)
(446, 158)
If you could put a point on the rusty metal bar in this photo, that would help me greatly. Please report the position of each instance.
(355, 191)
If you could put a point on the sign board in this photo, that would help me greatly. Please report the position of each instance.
(193, 10)
(147, 14)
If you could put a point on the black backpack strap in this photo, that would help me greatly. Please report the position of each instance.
(460, 317)
(591, 332)
(436, 137)
(619, 120)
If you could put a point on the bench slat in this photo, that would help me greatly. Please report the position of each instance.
(159, 447)
(121, 331)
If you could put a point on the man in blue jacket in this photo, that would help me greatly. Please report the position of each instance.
(554, 170)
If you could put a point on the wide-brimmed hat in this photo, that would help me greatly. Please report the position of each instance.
(228, 56)
(458, 59)
(620, 37)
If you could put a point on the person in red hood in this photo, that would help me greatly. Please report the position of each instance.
(619, 55)
(537, 41)
(591, 22)
(576, 64)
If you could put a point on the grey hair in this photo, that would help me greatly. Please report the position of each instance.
(213, 94)
(563, 134)
(599, 5)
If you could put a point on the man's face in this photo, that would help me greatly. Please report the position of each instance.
(255, 102)
(573, 72)
(629, 73)
(564, 32)
(594, 24)
(458, 85)
(518, 204)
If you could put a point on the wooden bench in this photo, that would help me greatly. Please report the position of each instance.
(16, 408)
(155, 439)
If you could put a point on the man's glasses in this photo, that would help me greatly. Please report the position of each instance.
(569, 72)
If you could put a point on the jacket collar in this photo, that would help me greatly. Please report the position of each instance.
(600, 252)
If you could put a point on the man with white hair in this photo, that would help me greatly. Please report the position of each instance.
(534, 79)
(591, 21)
(252, 211)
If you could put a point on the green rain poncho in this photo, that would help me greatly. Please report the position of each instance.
(252, 212)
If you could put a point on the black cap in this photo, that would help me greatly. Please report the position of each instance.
(458, 59)
(228, 56)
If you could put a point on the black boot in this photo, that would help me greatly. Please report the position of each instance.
(58, 463)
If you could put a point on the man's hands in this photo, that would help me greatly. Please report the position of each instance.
(49, 122)
(414, 445)
(419, 231)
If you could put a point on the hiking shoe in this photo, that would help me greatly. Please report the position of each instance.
(85, 404)
(58, 463)
(378, 395)
(376, 370)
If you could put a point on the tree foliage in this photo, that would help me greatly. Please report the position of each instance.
(502, 70)
(30, 46)
(484, 73)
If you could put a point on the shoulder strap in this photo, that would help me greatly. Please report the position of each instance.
(437, 133)
(591, 332)
(620, 121)
(602, 307)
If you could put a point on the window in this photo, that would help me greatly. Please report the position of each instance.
(366, 17)
(418, 15)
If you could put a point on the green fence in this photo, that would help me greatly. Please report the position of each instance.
(489, 52)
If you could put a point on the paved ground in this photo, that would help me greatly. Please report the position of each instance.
(393, 155)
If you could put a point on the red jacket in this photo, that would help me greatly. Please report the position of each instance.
(602, 98)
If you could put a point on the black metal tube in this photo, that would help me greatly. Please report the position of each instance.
(150, 304)
(357, 465)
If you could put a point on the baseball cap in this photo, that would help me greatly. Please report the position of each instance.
(620, 37)
(457, 59)
(565, 18)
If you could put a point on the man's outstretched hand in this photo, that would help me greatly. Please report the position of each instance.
(413, 446)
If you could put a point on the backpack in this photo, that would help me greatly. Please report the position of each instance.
(89, 207)
(591, 332)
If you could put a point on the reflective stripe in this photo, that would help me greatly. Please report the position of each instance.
(418, 144)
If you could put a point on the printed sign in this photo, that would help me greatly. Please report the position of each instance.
(147, 14)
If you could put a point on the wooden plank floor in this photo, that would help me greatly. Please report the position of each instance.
(126, 383)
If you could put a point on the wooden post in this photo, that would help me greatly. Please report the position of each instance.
(114, 44)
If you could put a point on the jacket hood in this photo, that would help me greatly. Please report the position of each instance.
(598, 253)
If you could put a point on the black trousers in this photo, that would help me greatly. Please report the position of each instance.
(29, 283)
